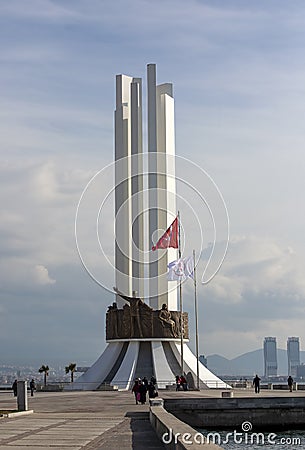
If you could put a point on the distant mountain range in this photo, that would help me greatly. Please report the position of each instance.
(248, 364)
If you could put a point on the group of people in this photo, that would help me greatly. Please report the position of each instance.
(256, 383)
(141, 387)
(32, 387)
(181, 382)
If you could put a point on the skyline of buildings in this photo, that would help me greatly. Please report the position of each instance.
(270, 356)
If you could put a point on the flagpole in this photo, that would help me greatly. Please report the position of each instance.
(180, 300)
(196, 320)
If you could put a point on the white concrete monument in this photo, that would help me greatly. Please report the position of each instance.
(143, 336)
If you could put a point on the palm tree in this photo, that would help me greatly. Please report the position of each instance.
(71, 368)
(44, 369)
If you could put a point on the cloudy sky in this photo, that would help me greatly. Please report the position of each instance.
(238, 69)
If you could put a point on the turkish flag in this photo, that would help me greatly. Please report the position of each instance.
(169, 238)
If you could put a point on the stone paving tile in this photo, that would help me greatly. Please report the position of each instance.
(63, 432)
(37, 447)
(44, 438)
(37, 443)
(6, 436)
(13, 430)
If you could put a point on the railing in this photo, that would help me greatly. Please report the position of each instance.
(164, 384)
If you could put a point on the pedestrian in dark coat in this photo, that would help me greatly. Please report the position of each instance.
(142, 390)
(14, 387)
(256, 381)
(152, 393)
(32, 387)
(290, 383)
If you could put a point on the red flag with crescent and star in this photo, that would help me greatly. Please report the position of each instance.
(169, 238)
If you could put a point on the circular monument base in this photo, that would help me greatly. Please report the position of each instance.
(124, 360)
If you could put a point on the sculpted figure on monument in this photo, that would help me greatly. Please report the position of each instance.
(140, 316)
(146, 319)
(112, 321)
(125, 326)
(167, 321)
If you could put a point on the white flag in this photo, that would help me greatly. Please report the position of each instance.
(181, 269)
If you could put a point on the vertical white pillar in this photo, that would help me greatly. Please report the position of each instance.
(137, 188)
(123, 188)
(166, 167)
(128, 185)
(152, 181)
(162, 202)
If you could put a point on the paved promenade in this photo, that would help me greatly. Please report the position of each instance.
(91, 420)
(78, 420)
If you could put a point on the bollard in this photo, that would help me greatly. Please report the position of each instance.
(227, 394)
(22, 397)
(156, 402)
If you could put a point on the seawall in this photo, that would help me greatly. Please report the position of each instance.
(174, 433)
(263, 412)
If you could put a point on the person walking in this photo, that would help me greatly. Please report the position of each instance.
(14, 387)
(183, 382)
(142, 391)
(178, 383)
(152, 393)
(256, 381)
(135, 390)
(32, 387)
(290, 383)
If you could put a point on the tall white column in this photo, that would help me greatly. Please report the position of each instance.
(152, 181)
(162, 185)
(167, 181)
(128, 186)
(137, 188)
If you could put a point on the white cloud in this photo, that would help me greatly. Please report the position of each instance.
(38, 9)
(257, 266)
(38, 211)
(41, 275)
(259, 291)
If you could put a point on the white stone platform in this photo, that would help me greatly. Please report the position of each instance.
(124, 360)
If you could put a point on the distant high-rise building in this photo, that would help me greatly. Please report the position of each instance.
(301, 371)
(270, 357)
(293, 354)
